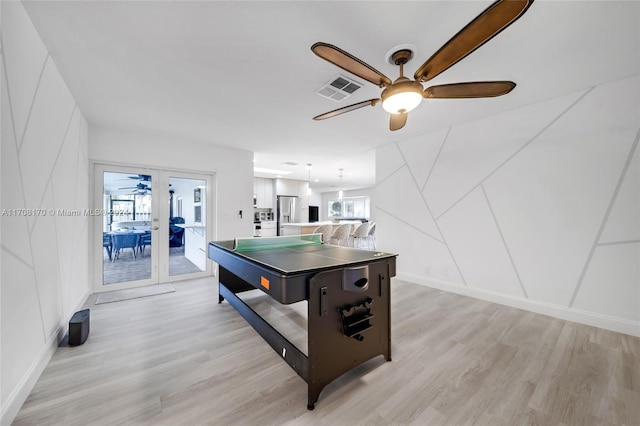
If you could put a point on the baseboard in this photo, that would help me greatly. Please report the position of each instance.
(14, 402)
(21, 392)
(569, 314)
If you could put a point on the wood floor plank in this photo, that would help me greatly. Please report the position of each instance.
(183, 359)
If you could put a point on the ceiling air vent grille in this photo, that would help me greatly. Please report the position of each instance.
(338, 88)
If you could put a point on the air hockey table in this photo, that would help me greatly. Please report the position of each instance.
(348, 295)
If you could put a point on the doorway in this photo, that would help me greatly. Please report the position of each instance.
(154, 226)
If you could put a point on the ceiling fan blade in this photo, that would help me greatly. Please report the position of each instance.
(350, 63)
(348, 108)
(477, 89)
(145, 178)
(398, 121)
(483, 28)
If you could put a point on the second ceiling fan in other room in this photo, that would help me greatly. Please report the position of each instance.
(402, 95)
(140, 188)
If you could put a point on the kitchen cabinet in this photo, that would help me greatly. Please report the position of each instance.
(267, 194)
(287, 187)
(263, 190)
(268, 228)
(195, 245)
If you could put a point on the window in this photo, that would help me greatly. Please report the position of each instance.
(127, 207)
(357, 207)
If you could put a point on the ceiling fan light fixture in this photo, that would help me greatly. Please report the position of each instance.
(402, 96)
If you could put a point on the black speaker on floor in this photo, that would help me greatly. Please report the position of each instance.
(79, 328)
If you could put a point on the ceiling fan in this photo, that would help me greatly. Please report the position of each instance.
(142, 178)
(402, 95)
(140, 188)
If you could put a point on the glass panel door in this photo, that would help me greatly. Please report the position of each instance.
(188, 224)
(127, 227)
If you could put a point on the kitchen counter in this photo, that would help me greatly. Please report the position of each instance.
(299, 228)
(195, 244)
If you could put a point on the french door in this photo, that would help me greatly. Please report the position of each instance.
(149, 226)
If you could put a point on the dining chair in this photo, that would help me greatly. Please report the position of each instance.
(106, 243)
(144, 242)
(123, 241)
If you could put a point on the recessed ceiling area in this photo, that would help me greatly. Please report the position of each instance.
(242, 74)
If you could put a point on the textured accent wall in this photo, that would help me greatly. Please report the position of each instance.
(536, 207)
(44, 263)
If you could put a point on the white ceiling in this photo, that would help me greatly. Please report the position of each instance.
(242, 73)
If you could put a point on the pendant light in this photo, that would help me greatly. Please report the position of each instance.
(309, 187)
(340, 192)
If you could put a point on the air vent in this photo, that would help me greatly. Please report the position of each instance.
(338, 88)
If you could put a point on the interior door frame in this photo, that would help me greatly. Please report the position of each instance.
(160, 214)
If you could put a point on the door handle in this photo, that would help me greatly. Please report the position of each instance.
(155, 228)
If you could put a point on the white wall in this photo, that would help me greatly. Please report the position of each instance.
(233, 169)
(43, 257)
(315, 199)
(184, 188)
(536, 207)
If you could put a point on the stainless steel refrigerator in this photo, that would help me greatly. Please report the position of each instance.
(287, 211)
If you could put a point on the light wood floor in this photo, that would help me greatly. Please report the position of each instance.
(128, 268)
(182, 359)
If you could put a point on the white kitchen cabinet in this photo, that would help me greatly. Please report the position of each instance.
(268, 228)
(263, 189)
(195, 245)
(287, 187)
(268, 194)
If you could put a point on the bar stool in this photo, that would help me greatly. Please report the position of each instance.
(360, 234)
(340, 233)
